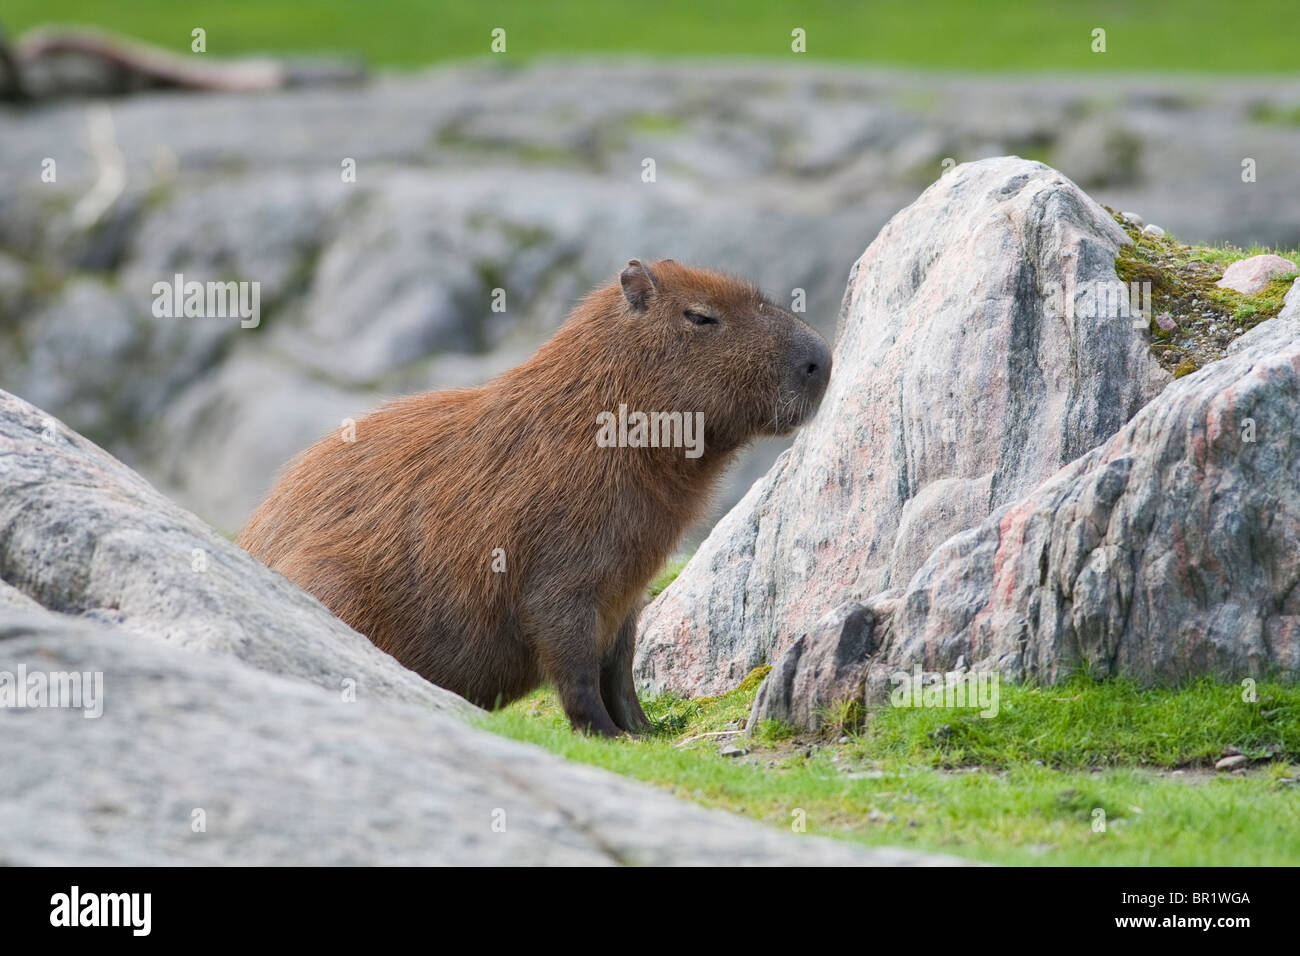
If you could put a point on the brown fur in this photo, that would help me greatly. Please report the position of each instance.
(395, 532)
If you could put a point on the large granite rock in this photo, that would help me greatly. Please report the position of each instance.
(1170, 552)
(974, 357)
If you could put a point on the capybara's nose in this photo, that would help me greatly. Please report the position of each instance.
(814, 366)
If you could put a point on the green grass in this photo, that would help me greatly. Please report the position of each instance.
(1019, 788)
(1159, 35)
(667, 576)
(1225, 255)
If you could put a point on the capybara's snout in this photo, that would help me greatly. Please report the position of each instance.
(807, 375)
(812, 365)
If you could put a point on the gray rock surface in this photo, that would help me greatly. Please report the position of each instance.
(824, 667)
(205, 760)
(969, 366)
(1171, 551)
(474, 177)
(82, 535)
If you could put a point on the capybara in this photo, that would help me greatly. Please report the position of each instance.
(497, 537)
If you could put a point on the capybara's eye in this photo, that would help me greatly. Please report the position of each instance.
(699, 318)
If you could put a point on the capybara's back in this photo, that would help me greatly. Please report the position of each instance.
(496, 537)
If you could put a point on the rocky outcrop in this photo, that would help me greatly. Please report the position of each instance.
(982, 345)
(292, 739)
(1277, 331)
(1170, 552)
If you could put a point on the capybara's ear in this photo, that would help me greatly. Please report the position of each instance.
(639, 285)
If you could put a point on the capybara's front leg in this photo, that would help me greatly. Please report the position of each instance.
(617, 688)
(580, 695)
(566, 645)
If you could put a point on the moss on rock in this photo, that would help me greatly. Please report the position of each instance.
(1205, 319)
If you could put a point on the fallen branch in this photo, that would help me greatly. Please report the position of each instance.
(154, 66)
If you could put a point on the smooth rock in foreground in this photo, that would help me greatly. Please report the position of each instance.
(279, 772)
(82, 534)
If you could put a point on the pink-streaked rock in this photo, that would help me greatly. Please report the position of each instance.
(1249, 276)
(962, 380)
(1170, 552)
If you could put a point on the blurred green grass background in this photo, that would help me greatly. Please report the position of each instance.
(1248, 36)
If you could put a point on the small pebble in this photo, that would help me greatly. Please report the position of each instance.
(1232, 763)
(1151, 229)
